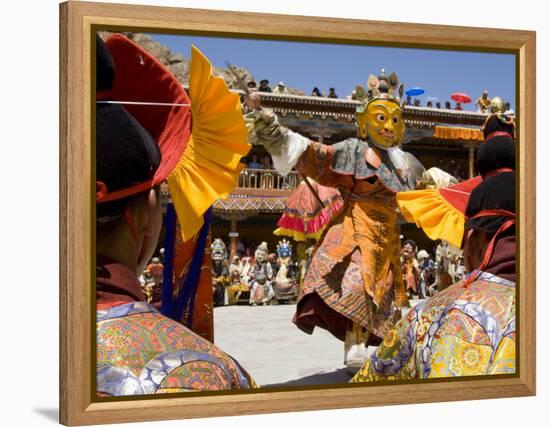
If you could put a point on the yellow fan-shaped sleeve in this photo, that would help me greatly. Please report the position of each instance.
(209, 168)
(431, 212)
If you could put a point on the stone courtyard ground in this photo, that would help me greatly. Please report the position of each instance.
(274, 351)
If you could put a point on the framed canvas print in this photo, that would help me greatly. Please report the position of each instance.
(266, 213)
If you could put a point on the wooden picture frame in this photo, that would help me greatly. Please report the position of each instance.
(78, 405)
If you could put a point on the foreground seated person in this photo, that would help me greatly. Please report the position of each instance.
(139, 350)
(469, 328)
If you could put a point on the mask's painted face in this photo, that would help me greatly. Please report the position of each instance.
(260, 255)
(382, 123)
(219, 252)
(218, 255)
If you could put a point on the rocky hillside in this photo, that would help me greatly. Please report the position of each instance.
(178, 64)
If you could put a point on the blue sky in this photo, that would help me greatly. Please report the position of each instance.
(305, 65)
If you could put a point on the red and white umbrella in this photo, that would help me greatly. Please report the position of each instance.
(461, 97)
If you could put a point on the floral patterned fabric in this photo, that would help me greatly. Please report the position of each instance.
(350, 267)
(140, 351)
(462, 331)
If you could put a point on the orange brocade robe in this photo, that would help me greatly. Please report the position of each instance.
(347, 280)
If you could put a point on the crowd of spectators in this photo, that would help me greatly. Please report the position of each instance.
(425, 275)
(482, 103)
(256, 162)
(432, 104)
(281, 88)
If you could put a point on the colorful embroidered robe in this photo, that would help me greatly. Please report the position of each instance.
(461, 331)
(140, 351)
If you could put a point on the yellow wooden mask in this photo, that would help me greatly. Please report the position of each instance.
(382, 123)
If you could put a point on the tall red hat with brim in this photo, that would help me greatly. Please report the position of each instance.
(154, 97)
(201, 142)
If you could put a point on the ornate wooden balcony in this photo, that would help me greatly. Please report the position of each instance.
(259, 191)
(267, 179)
